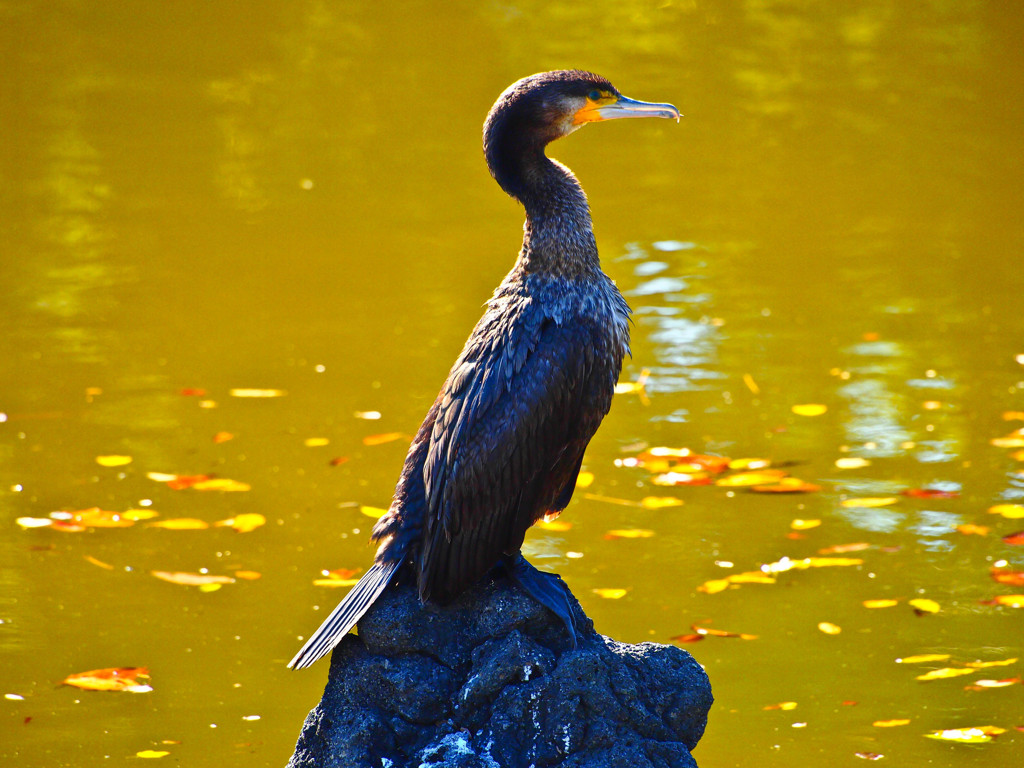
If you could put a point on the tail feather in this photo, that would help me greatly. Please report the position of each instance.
(345, 616)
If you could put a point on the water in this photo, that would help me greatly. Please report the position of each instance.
(293, 197)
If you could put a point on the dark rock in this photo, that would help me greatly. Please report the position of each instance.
(492, 682)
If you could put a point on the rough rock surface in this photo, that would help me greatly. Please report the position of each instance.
(491, 682)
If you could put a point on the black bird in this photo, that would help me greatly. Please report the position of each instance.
(503, 443)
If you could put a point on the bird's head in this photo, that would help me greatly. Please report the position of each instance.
(538, 109)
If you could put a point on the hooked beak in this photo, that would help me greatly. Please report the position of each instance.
(623, 107)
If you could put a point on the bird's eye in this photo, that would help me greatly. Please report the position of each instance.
(594, 95)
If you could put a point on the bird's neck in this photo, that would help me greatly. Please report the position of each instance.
(558, 236)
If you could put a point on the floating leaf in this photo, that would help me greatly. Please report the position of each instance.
(869, 755)
(709, 632)
(257, 393)
(745, 479)
(1010, 578)
(1011, 601)
(852, 462)
(829, 628)
(152, 753)
(584, 479)
(34, 522)
(638, 387)
(971, 529)
(384, 437)
(248, 575)
(244, 523)
(714, 586)
(337, 461)
(1010, 441)
(192, 579)
(890, 723)
(839, 549)
(752, 577)
(223, 437)
(139, 514)
(930, 493)
(316, 442)
(374, 512)
(809, 409)
(192, 392)
(961, 735)
(1013, 415)
(111, 679)
(749, 465)
(1012, 511)
(221, 484)
(691, 638)
(367, 415)
(787, 485)
(988, 664)
(609, 592)
(785, 706)
(682, 478)
(98, 563)
(869, 502)
(944, 673)
(923, 605)
(923, 658)
(880, 603)
(629, 533)
(786, 564)
(804, 525)
(660, 502)
(180, 524)
(113, 461)
(984, 685)
(1014, 539)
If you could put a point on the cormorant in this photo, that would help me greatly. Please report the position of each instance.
(502, 445)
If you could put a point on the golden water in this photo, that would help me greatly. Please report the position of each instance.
(292, 196)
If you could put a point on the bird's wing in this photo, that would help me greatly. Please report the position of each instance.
(513, 420)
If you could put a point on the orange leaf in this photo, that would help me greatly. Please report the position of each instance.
(384, 437)
(721, 633)
(111, 679)
(930, 493)
(100, 563)
(192, 579)
(745, 479)
(1011, 601)
(694, 638)
(223, 437)
(1013, 415)
(682, 478)
(785, 706)
(970, 529)
(1014, 539)
(1010, 578)
(248, 575)
(337, 461)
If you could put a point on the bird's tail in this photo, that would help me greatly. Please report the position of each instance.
(348, 612)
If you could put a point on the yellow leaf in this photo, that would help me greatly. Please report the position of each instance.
(221, 484)
(889, 723)
(249, 521)
(829, 628)
(161, 477)
(152, 753)
(139, 514)
(335, 582)
(788, 485)
(924, 605)
(209, 587)
(1008, 442)
(610, 593)
(374, 512)
(1010, 601)
(748, 465)
(1012, 511)
(584, 479)
(113, 461)
(987, 664)
(852, 462)
(874, 501)
(785, 706)
(660, 502)
(751, 577)
(180, 524)
(880, 603)
(744, 479)
(923, 658)
(629, 533)
(944, 673)
(713, 586)
(257, 393)
(809, 409)
(315, 442)
(804, 525)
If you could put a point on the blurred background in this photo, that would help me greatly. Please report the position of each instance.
(198, 197)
